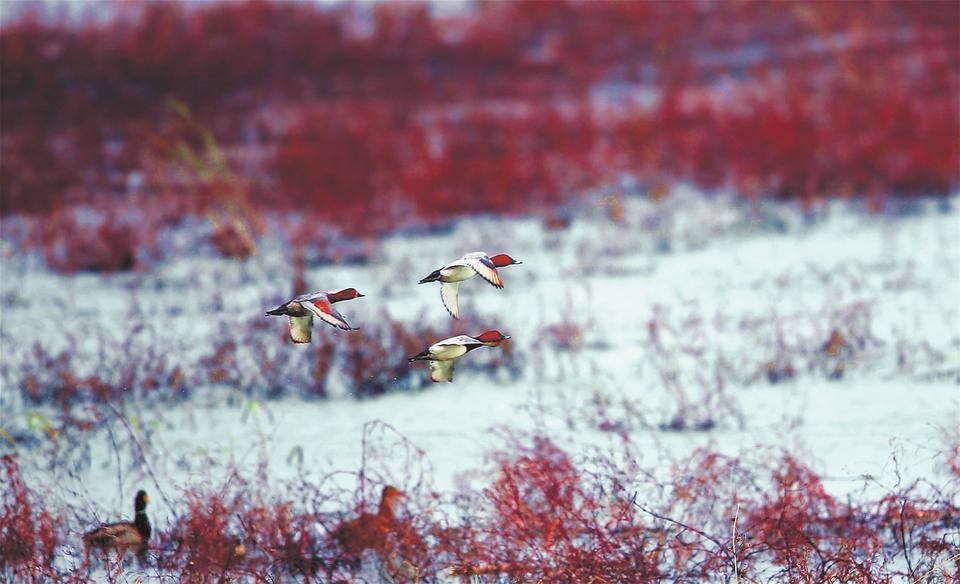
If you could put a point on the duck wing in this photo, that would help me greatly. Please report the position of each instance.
(441, 370)
(321, 308)
(484, 268)
(448, 294)
(301, 328)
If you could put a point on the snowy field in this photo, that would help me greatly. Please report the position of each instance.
(693, 322)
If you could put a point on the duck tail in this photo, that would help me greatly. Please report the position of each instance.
(433, 277)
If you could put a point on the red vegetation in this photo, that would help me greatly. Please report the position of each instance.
(542, 516)
(255, 361)
(545, 519)
(810, 535)
(375, 117)
(28, 539)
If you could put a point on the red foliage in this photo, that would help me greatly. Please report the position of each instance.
(367, 115)
(254, 360)
(546, 519)
(28, 539)
(123, 371)
(70, 245)
(809, 534)
(541, 516)
(233, 240)
(204, 542)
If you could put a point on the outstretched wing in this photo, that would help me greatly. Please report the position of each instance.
(485, 269)
(322, 309)
(441, 370)
(301, 328)
(448, 293)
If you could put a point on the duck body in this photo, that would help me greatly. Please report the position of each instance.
(125, 534)
(455, 272)
(441, 356)
(369, 531)
(302, 310)
(477, 263)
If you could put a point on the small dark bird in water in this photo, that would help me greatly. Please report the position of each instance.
(124, 535)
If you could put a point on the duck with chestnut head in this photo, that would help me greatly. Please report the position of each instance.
(303, 308)
(369, 531)
(442, 356)
(472, 264)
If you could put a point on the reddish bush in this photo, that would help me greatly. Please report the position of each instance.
(28, 539)
(541, 516)
(547, 520)
(809, 535)
(233, 240)
(71, 246)
(365, 115)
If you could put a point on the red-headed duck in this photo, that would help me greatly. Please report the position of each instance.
(442, 356)
(470, 265)
(303, 308)
(369, 531)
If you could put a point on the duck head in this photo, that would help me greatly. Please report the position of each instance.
(345, 294)
(390, 496)
(492, 338)
(140, 501)
(502, 260)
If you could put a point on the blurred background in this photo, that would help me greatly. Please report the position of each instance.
(376, 116)
(738, 222)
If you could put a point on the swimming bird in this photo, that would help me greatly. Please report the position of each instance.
(124, 535)
(303, 308)
(369, 531)
(472, 264)
(442, 356)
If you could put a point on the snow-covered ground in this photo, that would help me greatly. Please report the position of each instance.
(667, 327)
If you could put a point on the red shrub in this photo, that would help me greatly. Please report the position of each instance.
(28, 539)
(549, 520)
(367, 115)
(70, 246)
(808, 534)
(206, 545)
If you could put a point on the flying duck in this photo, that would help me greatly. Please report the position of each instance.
(303, 308)
(442, 356)
(472, 264)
